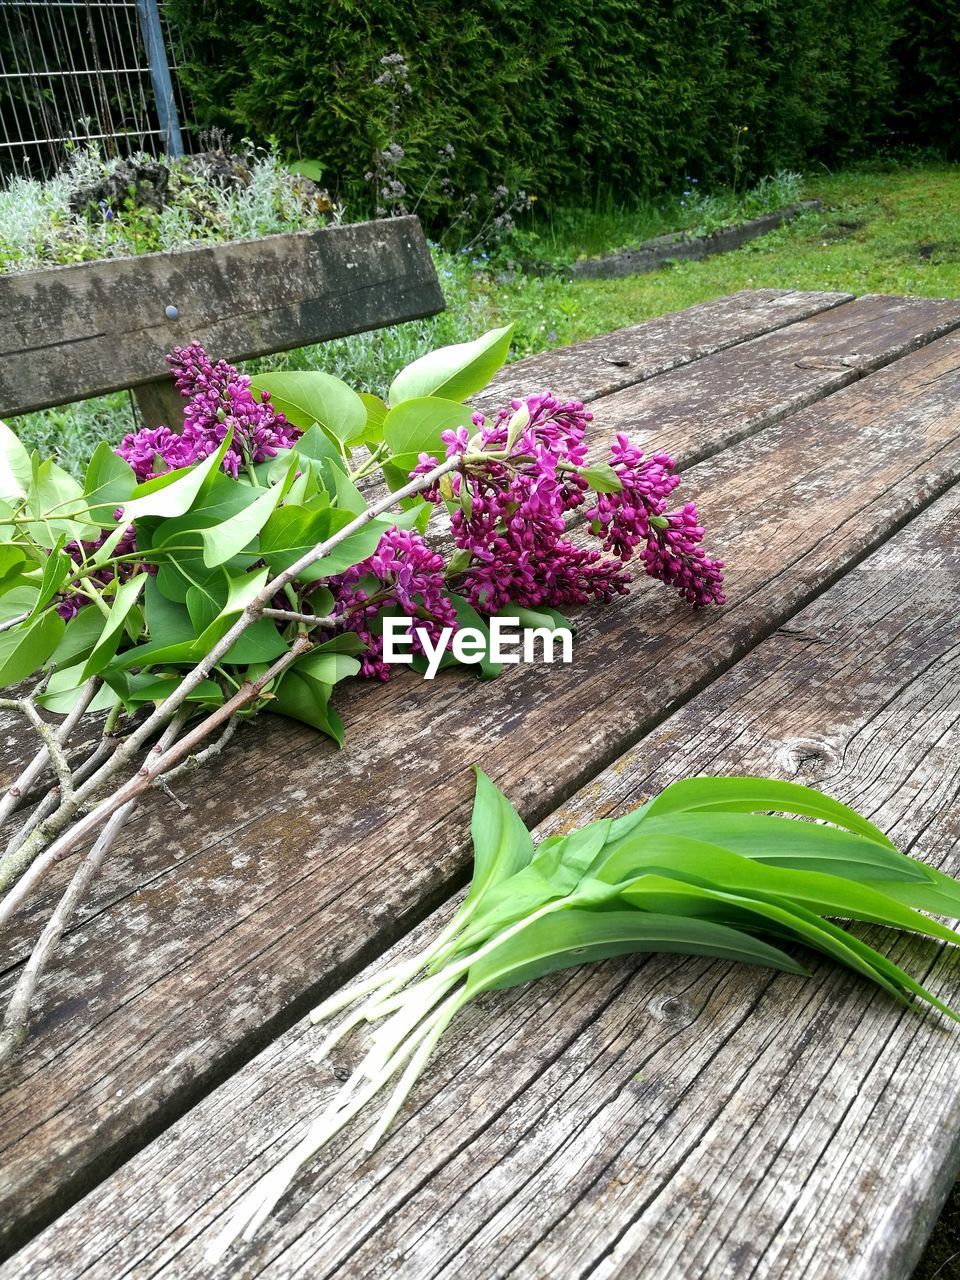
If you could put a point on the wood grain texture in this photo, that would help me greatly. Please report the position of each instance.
(648, 1117)
(294, 864)
(78, 331)
(615, 360)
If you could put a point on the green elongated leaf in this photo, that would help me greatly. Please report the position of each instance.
(109, 483)
(376, 412)
(25, 648)
(573, 937)
(702, 862)
(939, 893)
(224, 541)
(16, 472)
(828, 938)
(81, 634)
(155, 687)
(786, 842)
(754, 795)
(174, 494)
(13, 561)
(126, 597)
(556, 870)
(502, 845)
(414, 427)
(601, 478)
(305, 699)
(57, 572)
(308, 397)
(453, 372)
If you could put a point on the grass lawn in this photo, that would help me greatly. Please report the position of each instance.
(887, 228)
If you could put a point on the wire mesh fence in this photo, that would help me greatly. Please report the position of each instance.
(73, 71)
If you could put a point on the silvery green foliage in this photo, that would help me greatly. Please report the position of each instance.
(206, 199)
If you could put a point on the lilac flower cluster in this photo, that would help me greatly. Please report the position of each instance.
(218, 398)
(522, 474)
(402, 576)
(636, 515)
(516, 490)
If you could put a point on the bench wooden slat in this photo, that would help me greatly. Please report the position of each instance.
(613, 1120)
(73, 332)
(287, 882)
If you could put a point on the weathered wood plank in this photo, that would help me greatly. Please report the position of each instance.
(612, 1121)
(727, 396)
(252, 893)
(615, 360)
(73, 332)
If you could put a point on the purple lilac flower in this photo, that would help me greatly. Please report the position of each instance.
(218, 398)
(512, 514)
(513, 511)
(73, 601)
(674, 555)
(403, 574)
(636, 515)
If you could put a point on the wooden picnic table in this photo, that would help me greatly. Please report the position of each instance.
(655, 1117)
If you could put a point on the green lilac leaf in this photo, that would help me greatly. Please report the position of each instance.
(25, 648)
(453, 372)
(126, 597)
(309, 397)
(414, 427)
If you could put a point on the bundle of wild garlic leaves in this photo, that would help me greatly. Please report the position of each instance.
(714, 866)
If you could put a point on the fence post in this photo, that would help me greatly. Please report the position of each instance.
(160, 75)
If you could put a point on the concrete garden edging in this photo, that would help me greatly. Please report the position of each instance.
(655, 253)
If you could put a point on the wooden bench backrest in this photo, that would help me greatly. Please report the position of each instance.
(68, 333)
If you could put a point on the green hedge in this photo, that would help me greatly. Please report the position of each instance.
(928, 102)
(564, 97)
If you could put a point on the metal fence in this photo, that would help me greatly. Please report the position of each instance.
(73, 71)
